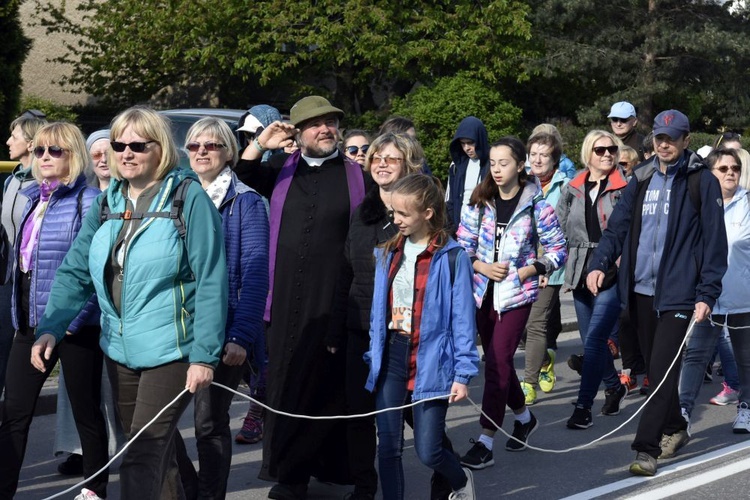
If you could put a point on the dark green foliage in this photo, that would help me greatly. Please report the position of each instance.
(13, 50)
(438, 109)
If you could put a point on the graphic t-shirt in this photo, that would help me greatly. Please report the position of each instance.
(503, 212)
(402, 289)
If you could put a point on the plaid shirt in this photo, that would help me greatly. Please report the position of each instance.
(420, 285)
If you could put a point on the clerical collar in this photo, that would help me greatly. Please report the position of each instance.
(316, 162)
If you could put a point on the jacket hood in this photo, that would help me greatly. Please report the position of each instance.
(265, 114)
(472, 128)
(691, 161)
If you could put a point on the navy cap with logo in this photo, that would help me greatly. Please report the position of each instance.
(671, 122)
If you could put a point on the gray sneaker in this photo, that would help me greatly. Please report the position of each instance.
(467, 492)
(671, 443)
(644, 465)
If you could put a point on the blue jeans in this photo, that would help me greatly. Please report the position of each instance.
(700, 349)
(597, 317)
(429, 425)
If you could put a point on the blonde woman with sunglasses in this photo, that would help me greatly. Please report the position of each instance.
(51, 220)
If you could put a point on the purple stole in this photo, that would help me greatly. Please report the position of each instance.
(355, 181)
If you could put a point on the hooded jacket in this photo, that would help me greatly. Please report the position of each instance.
(694, 258)
(14, 203)
(469, 128)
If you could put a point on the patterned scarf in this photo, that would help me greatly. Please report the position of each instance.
(218, 188)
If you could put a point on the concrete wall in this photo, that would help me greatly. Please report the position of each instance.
(41, 77)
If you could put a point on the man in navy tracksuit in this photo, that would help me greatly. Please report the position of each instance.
(668, 229)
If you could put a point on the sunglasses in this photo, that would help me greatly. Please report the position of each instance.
(54, 151)
(620, 120)
(193, 147)
(352, 150)
(623, 164)
(724, 169)
(135, 147)
(599, 150)
(97, 155)
(391, 161)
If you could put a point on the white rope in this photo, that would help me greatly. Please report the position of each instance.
(361, 415)
(725, 325)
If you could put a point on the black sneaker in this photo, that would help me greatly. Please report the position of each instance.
(478, 457)
(612, 400)
(575, 363)
(522, 432)
(581, 419)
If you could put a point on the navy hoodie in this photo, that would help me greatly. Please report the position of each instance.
(469, 128)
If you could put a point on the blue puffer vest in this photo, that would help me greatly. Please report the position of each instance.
(60, 225)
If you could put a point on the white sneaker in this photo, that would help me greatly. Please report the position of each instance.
(87, 494)
(742, 422)
(467, 492)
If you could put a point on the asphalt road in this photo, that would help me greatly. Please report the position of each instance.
(714, 464)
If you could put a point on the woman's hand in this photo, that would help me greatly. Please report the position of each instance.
(458, 392)
(497, 271)
(198, 377)
(41, 351)
(234, 355)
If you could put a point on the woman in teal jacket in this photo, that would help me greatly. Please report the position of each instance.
(162, 293)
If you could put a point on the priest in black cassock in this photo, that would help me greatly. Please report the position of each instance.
(313, 193)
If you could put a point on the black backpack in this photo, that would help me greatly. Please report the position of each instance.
(175, 213)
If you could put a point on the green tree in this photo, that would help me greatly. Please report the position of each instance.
(657, 54)
(13, 51)
(354, 51)
(438, 109)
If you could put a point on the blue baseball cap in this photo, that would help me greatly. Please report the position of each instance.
(622, 109)
(671, 122)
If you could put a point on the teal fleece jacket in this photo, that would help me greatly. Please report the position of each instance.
(174, 291)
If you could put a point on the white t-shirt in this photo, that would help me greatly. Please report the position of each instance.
(471, 180)
(403, 288)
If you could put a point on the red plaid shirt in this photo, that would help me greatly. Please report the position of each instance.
(420, 285)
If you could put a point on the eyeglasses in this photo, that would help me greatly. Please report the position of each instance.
(193, 147)
(352, 150)
(599, 150)
(724, 169)
(392, 161)
(620, 120)
(135, 147)
(54, 151)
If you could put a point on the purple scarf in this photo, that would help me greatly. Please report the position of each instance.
(356, 182)
(30, 231)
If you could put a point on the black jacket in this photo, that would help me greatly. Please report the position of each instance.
(371, 226)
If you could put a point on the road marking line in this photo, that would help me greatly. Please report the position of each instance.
(662, 472)
(695, 481)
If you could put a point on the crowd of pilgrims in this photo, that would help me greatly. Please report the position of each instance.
(329, 271)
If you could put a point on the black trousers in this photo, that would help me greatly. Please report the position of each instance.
(360, 432)
(81, 360)
(660, 336)
(630, 346)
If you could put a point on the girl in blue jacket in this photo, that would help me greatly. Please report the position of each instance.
(422, 332)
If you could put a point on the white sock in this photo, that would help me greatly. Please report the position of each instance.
(486, 441)
(524, 417)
